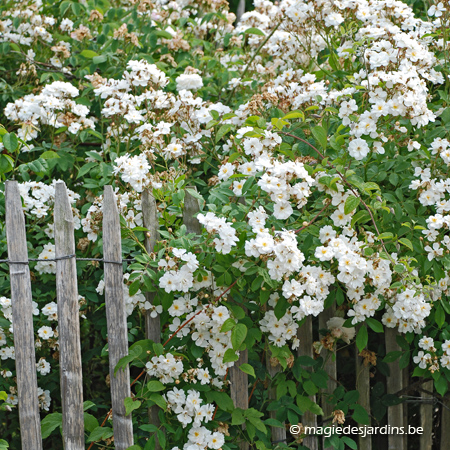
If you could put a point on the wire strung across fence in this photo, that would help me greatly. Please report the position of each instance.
(8, 261)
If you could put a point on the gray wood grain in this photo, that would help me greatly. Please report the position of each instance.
(305, 334)
(329, 367)
(68, 323)
(278, 434)
(394, 383)
(190, 210)
(116, 321)
(239, 388)
(21, 302)
(152, 324)
(363, 387)
(445, 423)
(426, 418)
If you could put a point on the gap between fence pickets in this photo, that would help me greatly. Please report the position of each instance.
(21, 302)
(68, 323)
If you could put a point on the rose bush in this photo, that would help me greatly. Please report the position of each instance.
(313, 135)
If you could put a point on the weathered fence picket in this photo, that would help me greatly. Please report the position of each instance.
(445, 423)
(68, 323)
(273, 367)
(152, 324)
(329, 367)
(116, 320)
(426, 417)
(22, 308)
(363, 387)
(305, 335)
(396, 441)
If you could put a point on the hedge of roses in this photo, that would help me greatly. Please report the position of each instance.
(314, 136)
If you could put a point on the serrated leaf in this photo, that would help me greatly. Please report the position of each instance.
(351, 204)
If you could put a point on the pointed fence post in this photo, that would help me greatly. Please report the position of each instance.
(394, 384)
(309, 419)
(116, 320)
(30, 429)
(152, 324)
(329, 367)
(68, 323)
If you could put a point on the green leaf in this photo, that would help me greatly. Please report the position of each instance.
(360, 415)
(439, 316)
(350, 442)
(163, 34)
(100, 433)
(321, 136)
(90, 422)
(294, 115)
(406, 243)
(99, 59)
(10, 142)
(49, 155)
(310, 388)
(131, 405)
(361, 338)
(155, 386)
(3, 445)
(247, 368)
(375, 325)
(228, 325)
(253, 30)
(86, 168)
(441, 385)
(6, 163)
(158, 399)
(49, 423)
(392, 356)
(223, 130)
(222, 399)
(238, 335)
(88, 54)
(351, 204)
(230, 356)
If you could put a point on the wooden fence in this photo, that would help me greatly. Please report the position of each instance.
(69, 338)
